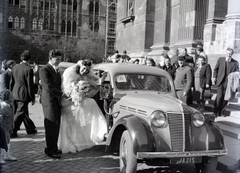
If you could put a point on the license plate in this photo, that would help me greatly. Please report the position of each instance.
(186, 160)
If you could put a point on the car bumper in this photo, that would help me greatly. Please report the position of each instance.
(152, 155)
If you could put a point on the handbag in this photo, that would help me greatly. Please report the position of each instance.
(208, 94)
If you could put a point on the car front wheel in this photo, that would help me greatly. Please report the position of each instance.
(208, 165)
(127, 160)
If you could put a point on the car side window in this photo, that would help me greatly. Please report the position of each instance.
(123, 82)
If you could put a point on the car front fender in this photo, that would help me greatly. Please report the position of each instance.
(212, 140)
(139, 131)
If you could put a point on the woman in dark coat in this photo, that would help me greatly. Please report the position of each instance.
(202, 81)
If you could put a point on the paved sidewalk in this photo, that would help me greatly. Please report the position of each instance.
(29, 150)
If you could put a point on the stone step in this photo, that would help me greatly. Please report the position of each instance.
(232, 145)
(230, 129)
(224, 162)
(228, 111)
(231, 105)
(234, 100)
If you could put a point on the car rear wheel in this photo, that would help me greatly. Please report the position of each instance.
(208, 165)
(127, 160)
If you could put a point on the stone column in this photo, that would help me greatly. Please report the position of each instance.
(175, 7)
(232, 25)
(228, 33)
(217, 10)
(161, 29)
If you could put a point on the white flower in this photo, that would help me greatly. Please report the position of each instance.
(78, 91)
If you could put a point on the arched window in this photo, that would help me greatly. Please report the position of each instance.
(46, 5)
(74, 5)
(34, 24)
(10, 22)
(69, 2)
(96, 8)
(69, 26)
(16, 22)
(130, 7)
(45, 24)
(64, 2)
(90, 23)
(74, 28)
(113, 7)
(91, 7)
(40, 24)
(51, 24)
(63, 26)
(96, 26)
(22, 23)
(16, 2)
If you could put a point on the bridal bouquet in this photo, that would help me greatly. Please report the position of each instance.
(79, 91)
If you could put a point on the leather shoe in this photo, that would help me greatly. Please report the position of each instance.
(55, 156)
(14, 135)
(32, 132)
(45, 151)
(234, 167)
(58, 151)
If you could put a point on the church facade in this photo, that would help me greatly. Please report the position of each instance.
(147, 28)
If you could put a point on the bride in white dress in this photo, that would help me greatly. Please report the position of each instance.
(82, 123)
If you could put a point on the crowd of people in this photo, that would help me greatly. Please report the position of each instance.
(193, 77)
(66, 129)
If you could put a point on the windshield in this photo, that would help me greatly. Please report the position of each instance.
(142, 82)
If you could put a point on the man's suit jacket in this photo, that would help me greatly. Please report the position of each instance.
(183, 79)
(171, 70)
(22, 83)
(205, 75)
(51, 86)
(220, 71)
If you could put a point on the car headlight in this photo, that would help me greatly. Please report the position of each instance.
(158, 118)
(198, 119)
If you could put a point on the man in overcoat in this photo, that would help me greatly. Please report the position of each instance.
(224, 66)
(51, 95)
(23, 92)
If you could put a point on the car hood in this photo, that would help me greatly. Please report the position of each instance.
(149, 102)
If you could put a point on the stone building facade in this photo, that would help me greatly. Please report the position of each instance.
(70, 18)
(149, 28)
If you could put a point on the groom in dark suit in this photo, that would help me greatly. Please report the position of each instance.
(224, 66)
(23, 92)
(51, 95)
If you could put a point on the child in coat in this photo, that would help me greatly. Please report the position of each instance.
(6, 111)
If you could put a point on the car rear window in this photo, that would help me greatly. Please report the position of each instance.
(142, 82)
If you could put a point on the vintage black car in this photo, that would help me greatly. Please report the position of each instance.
(148, 122)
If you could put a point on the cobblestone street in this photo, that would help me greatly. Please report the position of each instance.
(29, 149)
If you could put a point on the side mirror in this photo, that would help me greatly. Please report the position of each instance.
(106, 91)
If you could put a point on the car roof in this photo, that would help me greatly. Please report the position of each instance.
(113, 68)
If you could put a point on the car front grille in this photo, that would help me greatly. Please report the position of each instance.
(180, 131)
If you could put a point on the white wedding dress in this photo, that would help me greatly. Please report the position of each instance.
(82, 126)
